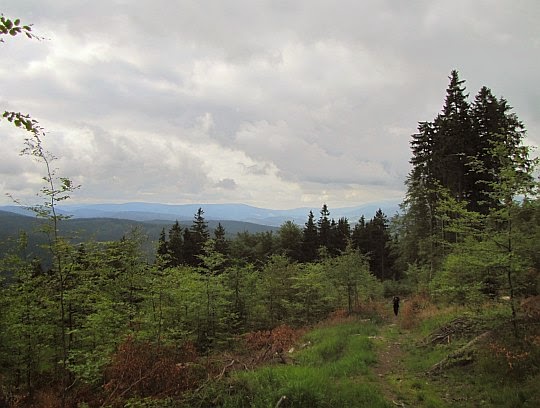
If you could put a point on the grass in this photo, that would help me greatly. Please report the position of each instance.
(504, 372)
(333, 371)
(336, 369)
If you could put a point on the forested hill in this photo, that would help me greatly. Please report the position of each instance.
(103, 229)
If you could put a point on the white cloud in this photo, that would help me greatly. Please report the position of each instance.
(277, 104)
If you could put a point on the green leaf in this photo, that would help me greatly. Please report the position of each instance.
(17, 22)
(8, 24)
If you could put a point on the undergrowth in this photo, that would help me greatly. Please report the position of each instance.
(331, 370)
(499, 369)
(332, 365)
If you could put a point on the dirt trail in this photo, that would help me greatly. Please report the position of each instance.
(389, 367)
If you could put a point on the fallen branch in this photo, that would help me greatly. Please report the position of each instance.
(457, 328)
(281, 400)
(461, 357)
(220, 376)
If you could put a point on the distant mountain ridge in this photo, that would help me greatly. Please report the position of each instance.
(138, 211)
(100, 229)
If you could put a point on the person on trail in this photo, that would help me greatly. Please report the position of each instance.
(396, 304)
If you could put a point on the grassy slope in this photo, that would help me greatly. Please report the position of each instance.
(499, 370)
(332, 371)
(360, 363)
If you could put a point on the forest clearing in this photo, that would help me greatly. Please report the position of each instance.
(384, 361)
(427, 356)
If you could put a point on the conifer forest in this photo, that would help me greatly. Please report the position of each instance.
(301, 317)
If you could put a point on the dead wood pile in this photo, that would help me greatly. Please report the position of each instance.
(459, 328)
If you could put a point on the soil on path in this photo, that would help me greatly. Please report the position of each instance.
(389, 369)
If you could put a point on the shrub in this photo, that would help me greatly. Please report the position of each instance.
(143, 369)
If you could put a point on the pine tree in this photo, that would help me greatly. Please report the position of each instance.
(220, 242)
(190, 248)
(359, 237)
(290, 240)
(324, 227)
(379, 240)
(453, 159)
(199, 234)
(453, 141)
(493, 124)
(341, 235)
(175, 246)
(310, 242)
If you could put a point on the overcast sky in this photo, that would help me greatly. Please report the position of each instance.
(277, 104)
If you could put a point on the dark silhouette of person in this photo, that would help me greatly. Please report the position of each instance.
(395, 301)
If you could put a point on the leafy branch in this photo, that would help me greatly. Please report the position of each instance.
(14, 27)
(57, 188)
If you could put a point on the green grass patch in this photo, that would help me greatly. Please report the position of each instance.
(330, 372)
(503, 373)
(339, 351)
(336, 368)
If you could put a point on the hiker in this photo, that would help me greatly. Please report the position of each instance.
(396, 304)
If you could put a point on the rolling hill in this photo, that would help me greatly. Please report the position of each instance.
(213, 212)
(100, 229)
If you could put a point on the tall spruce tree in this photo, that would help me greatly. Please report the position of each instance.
(493, 124)
(162, 244)
(190, 248)
(175, 246)
(379, 240)
(453, 156)
(290, 240)
(359, 238)
(341, 235)
(220, 241)
(453, 141)
(310, 241)
(199, 235)
(324, 227)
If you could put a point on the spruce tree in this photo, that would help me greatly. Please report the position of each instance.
(220, 242)
(290, 240)
(190, 248)
(324, 227)
(162, 249)
(359, 238)
(341, 235)
(175, 246)
(310, 242)
(199, 234)
(453, 157)
(493, 124)
(379, 248)
(453, 140)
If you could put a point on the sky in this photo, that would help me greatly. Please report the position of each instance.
(277, 104)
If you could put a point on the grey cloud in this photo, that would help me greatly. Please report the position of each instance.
(256, 169)
(227, 184)
(309, 95)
